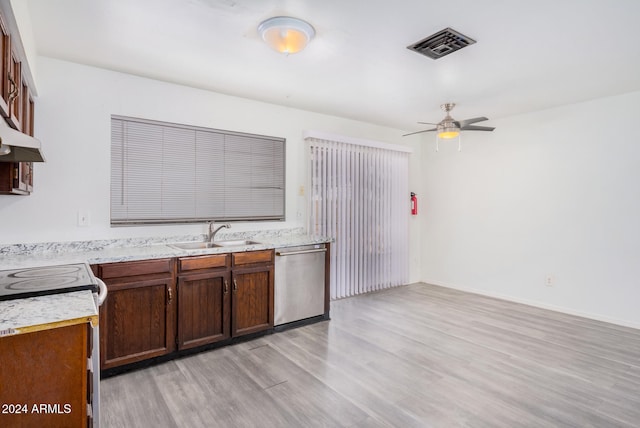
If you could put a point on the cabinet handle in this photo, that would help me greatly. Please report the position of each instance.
(235, 285)
(226, 286)
(13, 92)
(170, 292)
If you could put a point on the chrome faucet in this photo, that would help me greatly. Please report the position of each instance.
(212, 231)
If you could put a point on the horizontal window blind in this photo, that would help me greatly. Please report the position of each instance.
(169, 173)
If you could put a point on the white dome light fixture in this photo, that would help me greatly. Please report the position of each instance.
(285, 34)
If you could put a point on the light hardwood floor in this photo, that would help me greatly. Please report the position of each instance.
(412, 356)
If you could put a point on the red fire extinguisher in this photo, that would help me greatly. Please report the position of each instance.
(414, 204)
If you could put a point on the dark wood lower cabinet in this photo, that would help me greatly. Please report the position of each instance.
(224, 295)
(43, 378)
(204, 309)
(219, 297)
(252, 303)
(137, 320)
(252, 300)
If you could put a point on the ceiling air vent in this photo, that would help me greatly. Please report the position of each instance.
(441, 43)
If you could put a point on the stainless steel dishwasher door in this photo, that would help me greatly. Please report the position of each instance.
(299, 283)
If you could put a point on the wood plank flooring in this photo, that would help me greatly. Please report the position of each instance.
(412, 356)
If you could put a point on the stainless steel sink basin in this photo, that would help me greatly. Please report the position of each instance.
(235, 243)
(204, 245)
(192, 245)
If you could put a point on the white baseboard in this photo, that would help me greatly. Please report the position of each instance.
(537, 304)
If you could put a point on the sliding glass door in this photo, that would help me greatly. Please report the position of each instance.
(359, 195)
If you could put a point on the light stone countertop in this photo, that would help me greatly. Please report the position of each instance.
(94, 252)
(45, 312)
(39, 313)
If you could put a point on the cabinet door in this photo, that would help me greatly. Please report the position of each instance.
(204, 308)
(27, 109)
(47, 367)
(252, 300)
(5, 86)
(136, 321)
(15, 90)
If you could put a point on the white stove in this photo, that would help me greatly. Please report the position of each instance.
(44, 280)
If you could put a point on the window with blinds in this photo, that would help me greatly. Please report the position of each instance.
(169, 173)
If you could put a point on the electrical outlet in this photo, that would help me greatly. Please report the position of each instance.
(83, 218)
(549, 280)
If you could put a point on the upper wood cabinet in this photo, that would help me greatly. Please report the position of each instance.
(28, 107)
(16, 107)
(16, 178)
(14, 76)
(5, 49)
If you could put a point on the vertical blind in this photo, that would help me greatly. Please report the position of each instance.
(166, 173)
(360, 197)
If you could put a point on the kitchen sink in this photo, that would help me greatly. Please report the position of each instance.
(192, 245)
(234, 243)
(204, 245)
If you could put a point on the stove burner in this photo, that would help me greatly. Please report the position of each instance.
(41, 283)
(45, 280)
(45, 272)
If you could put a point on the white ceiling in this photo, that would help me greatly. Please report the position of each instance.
(528, 56)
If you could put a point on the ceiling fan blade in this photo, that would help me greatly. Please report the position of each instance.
(477, 128)
(419, 132)
(427, 123)
(463, 123)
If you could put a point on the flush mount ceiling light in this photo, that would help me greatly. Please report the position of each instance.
(286, 34)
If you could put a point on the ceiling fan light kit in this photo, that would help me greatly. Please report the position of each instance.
(449, 128)
(448, 133)
(285, 34)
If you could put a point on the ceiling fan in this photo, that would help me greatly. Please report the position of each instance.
(450, 128)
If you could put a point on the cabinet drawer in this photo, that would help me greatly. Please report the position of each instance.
(144, 267)
(250, 257)
(203, 262)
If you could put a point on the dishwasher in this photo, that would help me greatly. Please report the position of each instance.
(299, 283)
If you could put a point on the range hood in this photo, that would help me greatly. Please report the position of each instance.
(18, 147)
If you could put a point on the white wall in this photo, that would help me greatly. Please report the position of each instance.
(555, 192)
(549, 192)
(73, 112)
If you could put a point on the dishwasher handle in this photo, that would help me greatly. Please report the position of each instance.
(292, 253)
